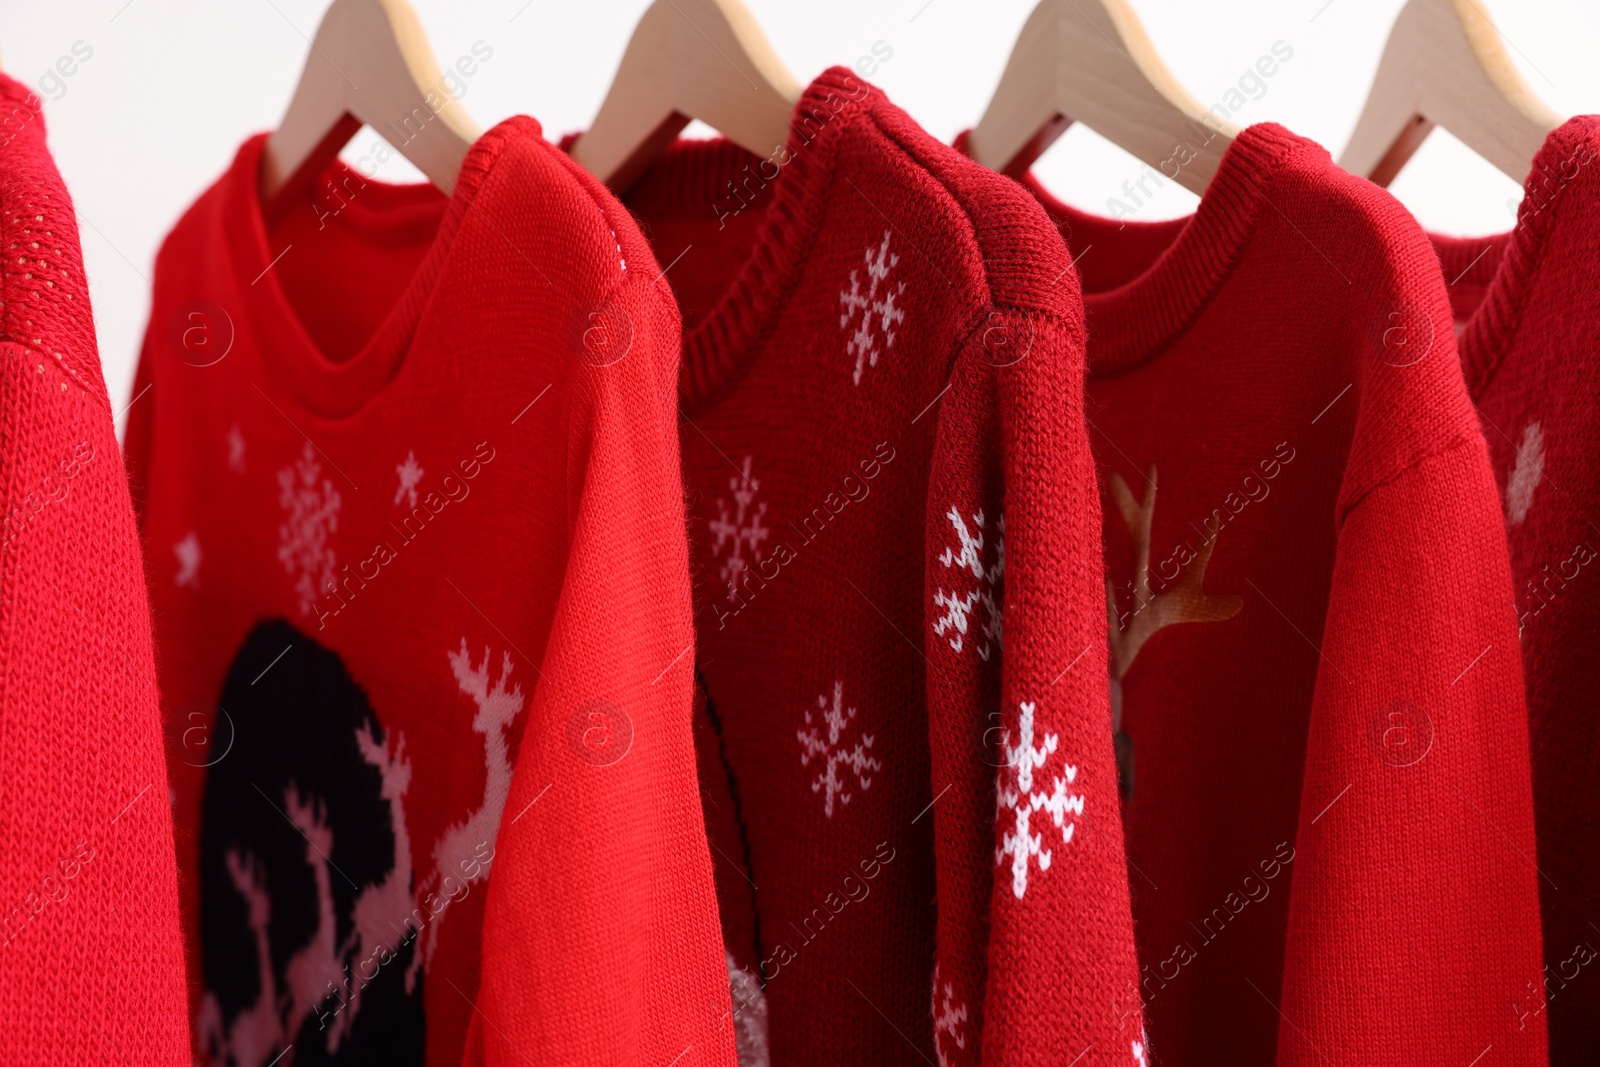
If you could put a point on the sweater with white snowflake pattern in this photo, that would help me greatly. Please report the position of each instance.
(1529, 304)
(886, 456)
(413, 523)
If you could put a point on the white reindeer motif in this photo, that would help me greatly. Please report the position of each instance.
(456, 855)
(316, 965)
(381, 916)
(256, 1033)
(318, 972)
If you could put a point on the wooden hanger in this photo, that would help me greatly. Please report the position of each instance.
(1445, 66)
(1090, 61)
(689, 59)
(369, 64)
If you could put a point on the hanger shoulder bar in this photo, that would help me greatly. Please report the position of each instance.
(689, 59)
(1091, 61)
(1446, 65)
(371, 61)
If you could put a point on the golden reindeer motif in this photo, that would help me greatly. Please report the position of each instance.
(1185, 601)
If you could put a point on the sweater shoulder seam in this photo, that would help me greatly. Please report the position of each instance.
(1458, 440)
(980, 219)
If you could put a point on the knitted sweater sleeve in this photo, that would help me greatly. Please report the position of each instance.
(601, 942)
(1035, 951)
(91, 953)
(1413, 930)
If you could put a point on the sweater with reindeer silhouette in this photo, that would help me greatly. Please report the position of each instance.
(414, 532)
(1317, 687)
(1529, 305)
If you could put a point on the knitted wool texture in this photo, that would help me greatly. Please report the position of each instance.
(886, 456)
(1530, 305)
(415, 526)
(91, 953)
(1330, 827)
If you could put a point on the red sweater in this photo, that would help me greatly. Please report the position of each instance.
(1530, 303)
(413, 517)
(1330, 826)
(91, 953)
(886, 453)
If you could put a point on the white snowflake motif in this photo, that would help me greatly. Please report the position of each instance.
(1139, 1055)
(410, 473)
(823, 744)
(958, 607)
(738, 528)
(1525, 474)
(311, 516)
(948, 1020)
(188, 553)
(1014, 793)
(879, 312)
(235, 449)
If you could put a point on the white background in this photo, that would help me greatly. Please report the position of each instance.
(173, 86)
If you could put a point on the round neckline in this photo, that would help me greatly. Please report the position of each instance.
(337, 389)
(717, 350)
(1487, 335)
(1130, 324)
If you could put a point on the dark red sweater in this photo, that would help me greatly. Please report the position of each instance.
(414, 523)
(1330, 827)
(91, 952)
(1530, 304)
(886, 455)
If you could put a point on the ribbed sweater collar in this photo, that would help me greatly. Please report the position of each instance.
(796, 184)
(1132, 323)
(1567, 158)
